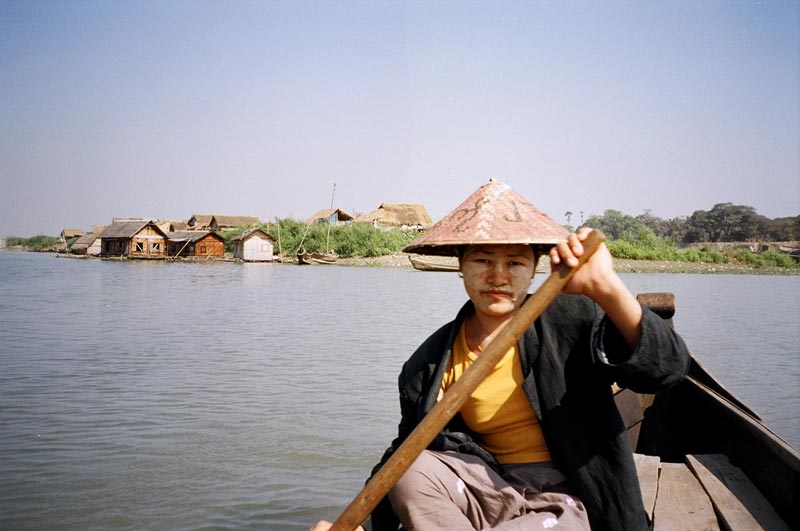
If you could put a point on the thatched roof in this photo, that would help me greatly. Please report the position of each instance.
(252, 232)
(235, 221)
(127, 229)
(200, 220)
(72, 233)
(398, 215)
(172, 225)
(216, 221)
(327, 213)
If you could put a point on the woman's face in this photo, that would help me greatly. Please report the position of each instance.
(497, 277)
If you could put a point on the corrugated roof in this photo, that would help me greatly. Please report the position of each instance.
(191, 235)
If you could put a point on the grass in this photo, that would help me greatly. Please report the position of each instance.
(651, 247)
(34, 243)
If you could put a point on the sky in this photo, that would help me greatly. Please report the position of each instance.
(165, 109)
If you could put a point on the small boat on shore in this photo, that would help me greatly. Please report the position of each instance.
(306, 258)
(421, 263)
(705, 459)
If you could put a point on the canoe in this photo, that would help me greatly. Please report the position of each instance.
(706, 460)
(430, 264)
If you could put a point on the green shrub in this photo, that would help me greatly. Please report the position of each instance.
(39, 242)
(355, 239)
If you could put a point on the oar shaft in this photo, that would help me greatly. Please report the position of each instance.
(380, 484)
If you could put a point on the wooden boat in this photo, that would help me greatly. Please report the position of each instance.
(306, 258)
(705, 459)
(428, 264)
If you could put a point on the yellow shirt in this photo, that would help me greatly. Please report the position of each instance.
(498, 412)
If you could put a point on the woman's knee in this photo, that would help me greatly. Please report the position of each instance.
(423, 475)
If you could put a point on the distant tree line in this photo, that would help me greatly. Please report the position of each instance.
(725, 222)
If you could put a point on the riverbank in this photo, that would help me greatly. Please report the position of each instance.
(400, 260)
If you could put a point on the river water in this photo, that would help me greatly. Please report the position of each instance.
(151, 395)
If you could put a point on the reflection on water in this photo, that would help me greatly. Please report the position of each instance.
(186, 396)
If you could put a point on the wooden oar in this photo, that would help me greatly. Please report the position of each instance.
(454, 398)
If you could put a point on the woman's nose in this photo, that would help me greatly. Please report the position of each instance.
(498, 272)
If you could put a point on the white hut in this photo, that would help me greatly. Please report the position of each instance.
(254, 245)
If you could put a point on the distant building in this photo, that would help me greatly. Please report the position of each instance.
(254, 245)
(67, 234)
(2, 244)
(168, 226)
(334, 216)
(133, 239)
(217, 222)
(195, 243)
(88, 244)
(405, 216)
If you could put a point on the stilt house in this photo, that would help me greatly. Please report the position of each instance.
(196, 243)
(133, 239)
(254, 245)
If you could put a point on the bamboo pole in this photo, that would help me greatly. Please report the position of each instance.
(380, 484)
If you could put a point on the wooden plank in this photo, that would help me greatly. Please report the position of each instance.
(738, 502)
(630, 408)
(681, 502)
(647, 469)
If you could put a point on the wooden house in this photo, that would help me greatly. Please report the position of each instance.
(404, 216)
(334, 216)
(133, 239)
(217, 222)
(195, 243)
(88, 244)
(254, 245)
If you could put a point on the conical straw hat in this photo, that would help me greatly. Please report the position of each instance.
(494, 214)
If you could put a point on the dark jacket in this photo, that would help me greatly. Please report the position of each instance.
(570, 357)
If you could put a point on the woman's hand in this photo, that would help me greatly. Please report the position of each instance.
(598, 281)
(324, 525)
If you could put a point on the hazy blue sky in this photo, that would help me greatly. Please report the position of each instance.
(170, 108)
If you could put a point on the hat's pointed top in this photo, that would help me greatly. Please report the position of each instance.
(494, 214)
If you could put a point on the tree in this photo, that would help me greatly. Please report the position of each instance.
(726, 222)
(617, 225)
